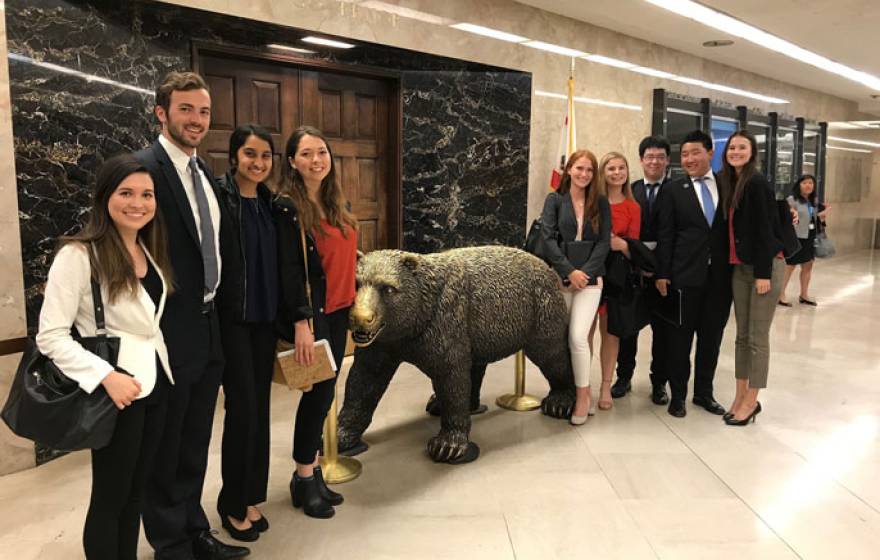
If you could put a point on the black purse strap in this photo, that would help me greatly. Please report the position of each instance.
(97, 300)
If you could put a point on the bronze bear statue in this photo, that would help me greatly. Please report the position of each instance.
(450, 314)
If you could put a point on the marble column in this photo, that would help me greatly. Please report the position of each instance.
(15, 453)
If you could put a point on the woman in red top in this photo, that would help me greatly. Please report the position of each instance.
(312, 198)
(626, 223)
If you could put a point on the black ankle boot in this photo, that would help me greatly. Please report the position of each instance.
(305, 493)
(331, 497)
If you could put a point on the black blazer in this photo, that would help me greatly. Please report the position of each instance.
(686, 245)
(649, 219)
(293, 303)
(232, 293)
(558, 216)
(757, 231)
(189, 344)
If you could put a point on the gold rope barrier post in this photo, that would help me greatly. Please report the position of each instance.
(334, 468)
(519, 400)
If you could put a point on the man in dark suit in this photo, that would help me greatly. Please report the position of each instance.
(694, 270)
(174, 521)
(654, 157)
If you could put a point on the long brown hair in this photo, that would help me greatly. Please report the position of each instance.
(591, 196)
(733, 182)
(626, 189)
(111, 263)
(333, 200)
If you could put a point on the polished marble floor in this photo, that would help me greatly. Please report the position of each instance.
(632, 483)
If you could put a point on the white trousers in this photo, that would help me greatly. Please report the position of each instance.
(582, 307)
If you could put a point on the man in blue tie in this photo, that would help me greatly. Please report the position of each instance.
(654, 158)
(693, 270)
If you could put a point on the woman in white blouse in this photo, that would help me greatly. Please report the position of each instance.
(122, 246)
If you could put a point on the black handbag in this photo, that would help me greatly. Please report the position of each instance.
(46, 406)
(535, 242)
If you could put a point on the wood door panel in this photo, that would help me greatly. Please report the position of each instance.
(352, 111)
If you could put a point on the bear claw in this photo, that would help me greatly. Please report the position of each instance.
(558, 404)
(448, 447)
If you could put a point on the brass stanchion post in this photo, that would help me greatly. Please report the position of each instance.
(519, 400)
(334, 468)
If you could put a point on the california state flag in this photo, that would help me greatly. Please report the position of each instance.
(566, 139)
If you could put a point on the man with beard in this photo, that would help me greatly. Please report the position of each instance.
(693, 255)
(174, 521)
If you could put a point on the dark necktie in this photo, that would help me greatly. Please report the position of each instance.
(708, 203)
(206, 228)
(652, 195)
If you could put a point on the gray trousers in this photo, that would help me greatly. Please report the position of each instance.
(754, 314)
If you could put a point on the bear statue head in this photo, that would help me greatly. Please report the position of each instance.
(392, 290)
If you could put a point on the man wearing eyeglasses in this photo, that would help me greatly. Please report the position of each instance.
(654, 157)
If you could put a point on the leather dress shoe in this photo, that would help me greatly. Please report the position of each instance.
(207, 547)
(710, 404)
(658, 395)
(620, 388)
(677, 408)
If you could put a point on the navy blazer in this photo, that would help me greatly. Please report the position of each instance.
(558, 216)
(686, 244)
(649, 219)
(189, 344)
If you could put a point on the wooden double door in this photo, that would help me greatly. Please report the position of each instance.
(357, 114)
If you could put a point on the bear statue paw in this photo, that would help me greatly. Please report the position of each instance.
(350, 444)
(558, 404)
(452, 447)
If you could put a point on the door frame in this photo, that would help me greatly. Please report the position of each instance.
(395, 112)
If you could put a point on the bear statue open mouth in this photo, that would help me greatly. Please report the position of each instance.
(364, 338)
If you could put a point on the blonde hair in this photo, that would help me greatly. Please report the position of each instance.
(626, 189)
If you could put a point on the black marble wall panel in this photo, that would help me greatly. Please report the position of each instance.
(465, 125)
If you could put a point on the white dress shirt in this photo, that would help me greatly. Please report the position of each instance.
(709, 179)
(134, 319)
(181, 164)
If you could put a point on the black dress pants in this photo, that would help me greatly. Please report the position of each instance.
(119, 472)
(629, 347)
(705, 311)
(247, 382)
(173, 513)
(308, 432)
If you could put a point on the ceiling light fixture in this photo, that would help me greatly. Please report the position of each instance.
(489, 32)
(849, 149)
(590, 101)
(550, 47)
(291, 49)
(609, 61)
(859, 142)
(854, 125)
(327, 42)
(408, 13)
(732, 26)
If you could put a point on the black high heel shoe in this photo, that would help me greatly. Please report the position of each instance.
(261, 524)
(732, 421)
(331, 497)
(304, 493)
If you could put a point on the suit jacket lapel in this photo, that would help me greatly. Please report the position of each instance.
(177, 191)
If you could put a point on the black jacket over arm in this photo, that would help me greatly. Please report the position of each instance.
(293, 303)
(757, 231)
(686, 245)
(188, 345)
(559, 216)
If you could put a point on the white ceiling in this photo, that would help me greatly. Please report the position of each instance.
(846, 31)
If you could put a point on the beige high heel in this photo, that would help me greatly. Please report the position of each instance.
(605, 405)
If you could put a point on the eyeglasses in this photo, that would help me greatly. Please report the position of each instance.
(654, 158)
